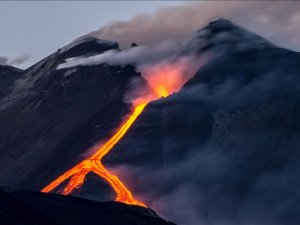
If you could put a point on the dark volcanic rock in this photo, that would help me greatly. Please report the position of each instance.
(161, 133)
(87, 46)
(133, 45)
(31, 208)
(222, 36)
(8, 75)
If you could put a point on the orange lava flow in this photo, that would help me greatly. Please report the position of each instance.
(78, 173)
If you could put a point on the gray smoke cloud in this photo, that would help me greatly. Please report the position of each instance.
(19, 60)
(15, 61)
(3, 60)
(275, 20)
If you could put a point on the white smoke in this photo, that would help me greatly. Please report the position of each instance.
(139, 55)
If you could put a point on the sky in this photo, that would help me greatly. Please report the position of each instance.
(32, 30)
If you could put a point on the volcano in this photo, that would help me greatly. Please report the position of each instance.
(220, 150)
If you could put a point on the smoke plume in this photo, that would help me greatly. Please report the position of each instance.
(177, 22)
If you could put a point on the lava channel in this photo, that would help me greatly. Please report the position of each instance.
(78, 173)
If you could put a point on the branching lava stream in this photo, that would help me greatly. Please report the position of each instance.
(93, 164)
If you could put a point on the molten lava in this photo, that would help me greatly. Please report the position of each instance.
(78, 173)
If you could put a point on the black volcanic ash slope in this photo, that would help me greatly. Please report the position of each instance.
(49, 116)
(31, 208)
(225, 149)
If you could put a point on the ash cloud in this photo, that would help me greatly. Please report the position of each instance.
(275, 20)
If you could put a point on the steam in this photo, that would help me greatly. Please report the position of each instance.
(261, 17)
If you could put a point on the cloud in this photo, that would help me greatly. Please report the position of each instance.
(19, 60)
(178, 22)
(15, 61)
(3, 60)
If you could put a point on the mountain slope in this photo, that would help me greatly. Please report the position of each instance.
(51, 116)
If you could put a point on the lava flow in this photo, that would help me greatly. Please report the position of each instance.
(167, 78)
(93, 164)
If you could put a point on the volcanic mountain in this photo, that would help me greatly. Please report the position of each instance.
(222, 150)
